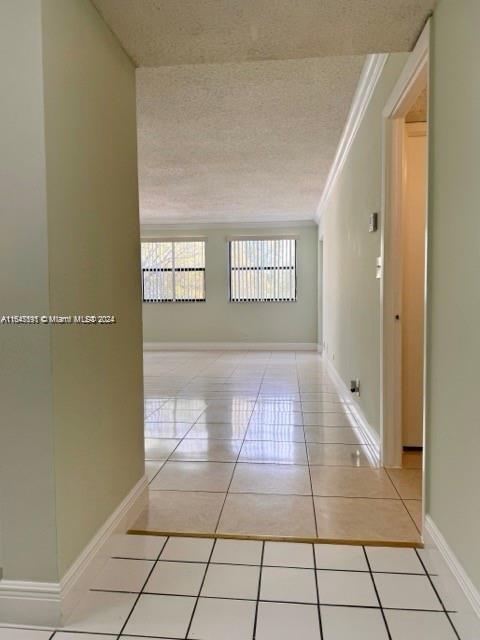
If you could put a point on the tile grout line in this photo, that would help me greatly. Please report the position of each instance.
(263, 493)
(438, 595)
(278, 601)
(376, 592)
(309, 471)
(201, 587)
(403, 501)
(270, 566)
(257, 603)
(143, 587)
(324, 392)
(239, 452)
(194, 423)
(318, 592)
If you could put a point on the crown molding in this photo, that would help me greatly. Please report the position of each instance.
(159, 227)
(369, 77)
(230, 346)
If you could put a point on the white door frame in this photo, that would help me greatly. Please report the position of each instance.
(412, 80)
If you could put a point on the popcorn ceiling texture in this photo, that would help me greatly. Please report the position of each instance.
(243, 102)
(170, 32)
(240, 141)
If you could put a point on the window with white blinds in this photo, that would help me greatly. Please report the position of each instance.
(173, 271)
(263, 270)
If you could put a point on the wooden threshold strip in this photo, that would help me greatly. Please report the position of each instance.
(241, 536)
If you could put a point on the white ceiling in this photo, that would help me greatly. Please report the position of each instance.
(169, 32)
(243, 102)
(240, 141)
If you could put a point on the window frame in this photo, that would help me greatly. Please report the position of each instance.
(173, 270)
(231, 269)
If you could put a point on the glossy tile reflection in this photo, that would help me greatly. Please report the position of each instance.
(261, 443)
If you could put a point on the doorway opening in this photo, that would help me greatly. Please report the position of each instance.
(404, 252)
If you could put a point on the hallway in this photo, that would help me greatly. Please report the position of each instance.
(254, 443)
(239, 350)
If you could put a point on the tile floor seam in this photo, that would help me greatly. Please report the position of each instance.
(200, 589)
(438, 596)
(255, 619)
(411, 517)
(270, 600)
(376, 593)
(403, 501)
(284, 566)
(309, 472)
(315, 568)
(143, 586)
(236, 461)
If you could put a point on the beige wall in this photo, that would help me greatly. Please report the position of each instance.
(351, 294)
(218, 320)
(453, 470)
(26, 439)
(351, 303)
(72, 448)
(93, 235)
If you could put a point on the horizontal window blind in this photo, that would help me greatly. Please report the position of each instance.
(173, 271)
(263, 270)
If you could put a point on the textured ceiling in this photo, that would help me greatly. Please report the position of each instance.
(170, 32)
(240, 142)
(241, 103)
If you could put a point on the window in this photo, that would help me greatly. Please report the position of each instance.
(263, 270)
(173, 271)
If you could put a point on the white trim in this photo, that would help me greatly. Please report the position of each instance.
(50, 603)
(30, 603)
(412, 79)
(468, 588)
(173, 238)
(127, 511)
(369, 77)
(390, 294)
(158, 227)
(229, 346)
(371, 436)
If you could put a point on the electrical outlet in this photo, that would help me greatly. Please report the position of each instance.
(355, 386)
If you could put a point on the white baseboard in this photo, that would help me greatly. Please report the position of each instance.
(371, 436)
(49, 604)
(30, 603)
(433, 535)
(229, 346)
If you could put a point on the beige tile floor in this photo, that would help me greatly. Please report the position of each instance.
(261, 444)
